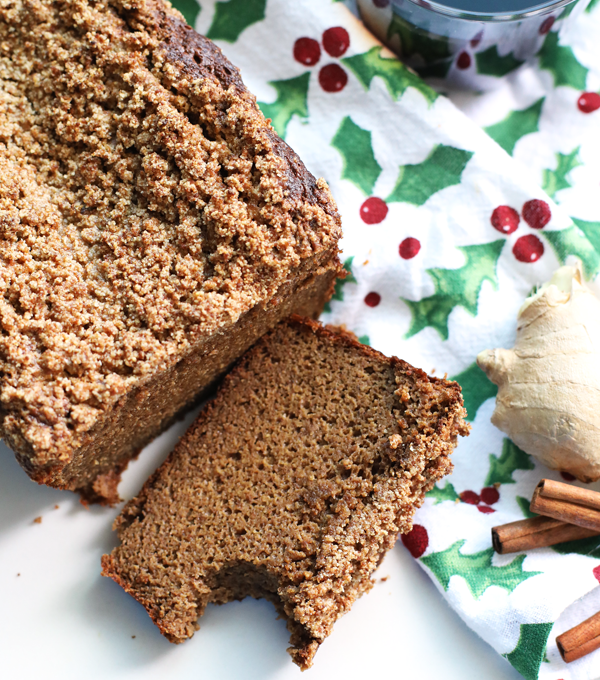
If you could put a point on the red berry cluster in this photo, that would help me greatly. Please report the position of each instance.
(536, 214)
(373, 211)
(336, 41)
(408, 249)
(486, 497)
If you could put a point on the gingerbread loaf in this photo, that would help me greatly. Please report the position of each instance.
(152, 228)
(291, 485)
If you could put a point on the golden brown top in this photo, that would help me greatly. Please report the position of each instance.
(144, 204)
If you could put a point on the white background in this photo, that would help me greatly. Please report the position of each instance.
(60, 620)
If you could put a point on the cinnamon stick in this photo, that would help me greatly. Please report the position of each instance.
(567, 503)
(537, 532)
(581, 640)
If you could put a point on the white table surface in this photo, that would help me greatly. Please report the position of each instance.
(60, 620)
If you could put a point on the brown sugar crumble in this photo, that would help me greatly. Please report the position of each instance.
(286, 487)
(152, 227)
(37, 520)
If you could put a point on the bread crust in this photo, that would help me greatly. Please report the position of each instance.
(147, 208)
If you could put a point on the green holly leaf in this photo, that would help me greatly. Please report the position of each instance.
(591, 231)
(360, 166)
(490, 63)
(431, 48)
(364, 339)
(592, 5)
(338, 291)
(528, 655)
(524, 504)
(189, 8)
(395, 75)
(291, 101)
(583, 241)
(233, 17)
(447, 493)
(562, 63)
(455, 287)
(516, 125)
(476, 388)
(476, 569)
(442, 168)
(584, 546)
(554, 181)
(511, 459)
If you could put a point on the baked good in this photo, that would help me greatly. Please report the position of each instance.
(291, 485)
(152, 228)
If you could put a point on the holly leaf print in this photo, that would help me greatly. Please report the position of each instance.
(516, 125)
(490, 63)
(442, 168)
(562, 63)
(364, 340)
(233, 17)
(524, 504)
(528, 655)
(447, 493)
(360, 166)
(584, 546)
(291, 101)
(554, 181)
(511, 459)
(189, 8)
(476, 569)
(395, 75)
(455, 287)
(592, 5)
(338, 291)
(476, 388)
(591, 230)
(581, 240)
(431, 48)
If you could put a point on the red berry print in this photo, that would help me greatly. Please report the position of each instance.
(596, 572)
(528, 248)
(372, 299)
(409, 248)
(470, 497)
(537, 213)
(464, 61)
(476, 40)
(374, 210)
(333, 78)
(490, 495)
(589, 102)
(505, 219)
(546, 25)
(336, 41)
(567, 476)
(416, 540)
(307, 51)
(485, 509)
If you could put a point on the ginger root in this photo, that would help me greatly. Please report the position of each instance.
(548, 399)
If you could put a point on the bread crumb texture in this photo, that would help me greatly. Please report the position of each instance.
(145, 204)
(291, 485)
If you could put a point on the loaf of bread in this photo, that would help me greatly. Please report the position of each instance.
(152, 228)
(291, 485)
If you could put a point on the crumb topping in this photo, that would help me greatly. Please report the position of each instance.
(145, 204)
